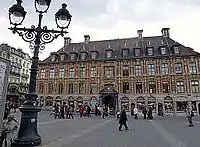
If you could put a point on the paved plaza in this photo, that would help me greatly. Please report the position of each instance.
(168, 131)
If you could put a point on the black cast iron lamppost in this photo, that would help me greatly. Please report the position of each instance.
(37, 37)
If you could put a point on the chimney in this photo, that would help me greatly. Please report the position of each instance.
(67, 41)
(87, 39)
(165, 32)
(139, 32)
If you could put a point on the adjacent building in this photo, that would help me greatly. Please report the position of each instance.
(154, 71)
(20, 63)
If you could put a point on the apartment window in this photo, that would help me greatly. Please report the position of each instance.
(42, 74)
(195, 86)
(125, 69)
(125, 87)
(125, 52)
(163, 50)
(62, 57)
(50, 89)
(137, 52)
(152, 87)
(109, 72)
(93, 55)
(61, 73)
(139, 87)
(192, 68)
(41, 88)
(151, 69)
(71, 88)
(82, 72)
(138, 70)
(93, 88)
(109, 54)
(83, 56)
(176, 50)
(60, 88)
(51, 73)
(165, 87)
(150, 51)
(81, 88)
(71, 73)
(164, 69)
(93, 71)
(180, 87)
(178, 68)
(72, 57)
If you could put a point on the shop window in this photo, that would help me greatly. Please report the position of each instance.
(194, 105)
(139, 87)
(181, 106)
(168, 104)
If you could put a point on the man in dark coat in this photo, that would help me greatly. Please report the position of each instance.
(122, 120)
(144, 111)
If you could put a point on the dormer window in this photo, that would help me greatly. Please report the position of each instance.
(163, 50)
(93, 55)
(83, 56)
(109, 54)
(125, 52)
(62, 57)
(150, 51)
(72, 56)
(53, 58)
(137, 52)
(176, 50)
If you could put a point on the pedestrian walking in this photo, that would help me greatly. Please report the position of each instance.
(88, 110)
(10, 127)
(70, 113)
(81, 111)
(190, 115)
(144, 111)
(150, 115)
(122, 120)
(62, 112)
(135, 113)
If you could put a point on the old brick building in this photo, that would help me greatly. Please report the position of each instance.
(142, 71)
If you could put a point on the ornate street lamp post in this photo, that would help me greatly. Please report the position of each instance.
(37, 37)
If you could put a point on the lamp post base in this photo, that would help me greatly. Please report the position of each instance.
(28, 135)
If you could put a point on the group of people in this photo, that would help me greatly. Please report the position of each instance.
(147, 113)
(62, 111)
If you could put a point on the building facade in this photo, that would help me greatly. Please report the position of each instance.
(20, 63)
(125, 73)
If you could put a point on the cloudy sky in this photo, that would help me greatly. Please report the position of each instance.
(110, 19)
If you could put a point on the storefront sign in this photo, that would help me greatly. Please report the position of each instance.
(4, 72)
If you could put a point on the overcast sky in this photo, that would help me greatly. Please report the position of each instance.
(110, 19)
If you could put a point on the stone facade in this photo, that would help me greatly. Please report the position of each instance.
(145, 71)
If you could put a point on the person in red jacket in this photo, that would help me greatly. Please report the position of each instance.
(81, 110)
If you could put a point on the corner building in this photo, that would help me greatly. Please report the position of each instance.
(152, 71)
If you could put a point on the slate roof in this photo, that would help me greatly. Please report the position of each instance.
(116, 45)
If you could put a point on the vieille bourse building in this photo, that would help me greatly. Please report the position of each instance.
(125, 73)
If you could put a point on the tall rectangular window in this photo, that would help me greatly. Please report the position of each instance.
(151, 69)
(71, 73)
(93, 55)
(152, 87)
(81, 88)
(83, 56)
(195, 86)
(139, 87)
(125, 52)
(125, 87)
(164, 69)
(51, 72)
(82, 72)
(176, 50)
(125, 70)
(93, 71)
(60, 88)
(50, 88)
(165, 87)
(109, 54)
(42, 74)
(163, 50)
(192, 68)
(150, 51)
(180, 87)
(61, 73)
(71, 88)
(72, 57)
(178, 68)
(62, 57)
(138, 70)
(109, 72)
(93, 88)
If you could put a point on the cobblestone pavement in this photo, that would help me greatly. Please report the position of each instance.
(169, 131)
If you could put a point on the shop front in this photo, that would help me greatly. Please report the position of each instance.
(140, 103)
(168, 105)
(49, 101)
(93, 103)
(181, 104)
(71, 102)
(125, 103)
(152, 103)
